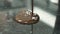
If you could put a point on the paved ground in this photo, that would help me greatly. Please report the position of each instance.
(11, 27)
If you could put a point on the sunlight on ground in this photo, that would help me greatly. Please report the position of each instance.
(54, 1)
(46, 17)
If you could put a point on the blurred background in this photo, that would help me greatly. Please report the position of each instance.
(46, 9)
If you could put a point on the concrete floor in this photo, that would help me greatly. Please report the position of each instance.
(11, 27)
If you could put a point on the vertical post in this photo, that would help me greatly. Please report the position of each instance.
(57, 24)
(32, 15)
(32, 7)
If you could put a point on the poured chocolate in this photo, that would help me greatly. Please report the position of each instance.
(25, 17)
